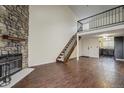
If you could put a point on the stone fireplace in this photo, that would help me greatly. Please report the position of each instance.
(14, 21)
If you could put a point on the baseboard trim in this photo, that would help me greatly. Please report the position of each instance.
(117, 59)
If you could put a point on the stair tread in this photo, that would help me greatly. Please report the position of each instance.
(60, 59)
(68, 48)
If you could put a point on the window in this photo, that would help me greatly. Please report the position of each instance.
(106, 42)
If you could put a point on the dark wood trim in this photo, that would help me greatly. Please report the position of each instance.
(12, 38)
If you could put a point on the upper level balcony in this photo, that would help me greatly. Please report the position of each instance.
(105, 20)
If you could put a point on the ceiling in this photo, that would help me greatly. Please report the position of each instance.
(83, 11)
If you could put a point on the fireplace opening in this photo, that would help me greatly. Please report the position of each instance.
(9, 65)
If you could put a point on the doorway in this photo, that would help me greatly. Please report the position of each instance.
(119, 48)
(106, 46)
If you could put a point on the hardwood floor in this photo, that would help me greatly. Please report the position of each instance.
(87, 72)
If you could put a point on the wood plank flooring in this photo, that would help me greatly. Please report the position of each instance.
(86, 73)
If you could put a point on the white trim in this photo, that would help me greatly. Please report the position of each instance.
(77, 47)
(117, 59)
(108, 29)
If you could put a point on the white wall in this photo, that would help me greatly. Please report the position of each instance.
(50, 28)
(92, 43)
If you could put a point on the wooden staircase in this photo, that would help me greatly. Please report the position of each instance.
(68, 49)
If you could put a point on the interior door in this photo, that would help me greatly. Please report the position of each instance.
(85, 47)
(93, 48)
(90, 47)
(118, 41)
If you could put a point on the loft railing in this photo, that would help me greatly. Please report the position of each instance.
(114, 16)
